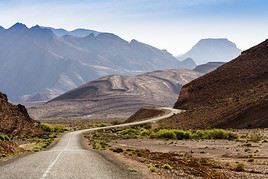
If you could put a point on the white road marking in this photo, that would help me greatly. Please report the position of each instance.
(56, 159)
(51, 166)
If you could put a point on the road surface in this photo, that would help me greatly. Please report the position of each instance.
(69, 160)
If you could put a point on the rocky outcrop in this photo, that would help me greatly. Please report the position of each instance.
(14, 119)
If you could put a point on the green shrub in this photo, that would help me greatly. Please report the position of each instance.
(181, 134)
(189, 134)
(152, 168)
(4, 137)
(214, 134)
(53, 127)
(240, 167)
(99, 144)
(164, 134)
(167, 166)
(132, 170)
(145, 132)
(129, 132)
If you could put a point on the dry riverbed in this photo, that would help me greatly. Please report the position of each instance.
(213, 154)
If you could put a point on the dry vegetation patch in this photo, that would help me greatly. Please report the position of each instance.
(212, 153)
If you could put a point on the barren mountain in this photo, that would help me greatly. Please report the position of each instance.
(76, 32)
(188, 63)
(38, 65)
(233, 96)
(215, 50)
(208, 67)
(14, 119)
(117, 95)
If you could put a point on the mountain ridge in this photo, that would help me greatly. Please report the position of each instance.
(233, 96)
(212, 49)
(208, 67)
(116, 95)
(48, 65)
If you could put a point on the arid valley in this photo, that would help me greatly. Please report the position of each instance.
(99, 104)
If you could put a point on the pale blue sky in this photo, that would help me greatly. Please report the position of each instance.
(175, 25)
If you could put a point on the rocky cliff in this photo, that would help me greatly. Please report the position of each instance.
(14, 119)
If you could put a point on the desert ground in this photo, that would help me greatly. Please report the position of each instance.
(243, 157)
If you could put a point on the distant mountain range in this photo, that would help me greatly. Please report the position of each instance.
(208, 50)
(117, 95)
(188, 63)
(235, 95)
(76, 32)
(40, 63)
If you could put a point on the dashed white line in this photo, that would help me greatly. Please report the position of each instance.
(51, 166)
(56, 159)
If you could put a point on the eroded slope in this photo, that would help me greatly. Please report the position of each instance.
(117, 95)
(233, 96)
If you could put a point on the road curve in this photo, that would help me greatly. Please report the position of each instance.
(68, 160)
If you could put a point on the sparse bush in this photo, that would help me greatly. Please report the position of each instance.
(131, 170)
(214, 134)
(164, 134)
(115, 122)
(145, 132)
(53, 127)
(146, 126)
(130, 133)
(198, 134)
(152, 168)
(240, 167)
(167, 166)
(181, 134)
(247, 150)
(118, 150)
(102, 124)
(251, 160)
(247, 145)
(99, 144)
(4, 137)
(129, 150)
(256, 137)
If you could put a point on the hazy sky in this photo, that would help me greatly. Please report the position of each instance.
(175, 25)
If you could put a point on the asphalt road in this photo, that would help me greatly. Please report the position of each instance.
(69, 160)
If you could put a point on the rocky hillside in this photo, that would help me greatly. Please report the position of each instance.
(208, 67)
(117, 95)
(233, 96)
(212, 50)
(14, 119)
(37, 64)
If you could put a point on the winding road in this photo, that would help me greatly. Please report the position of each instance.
(69, 160)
